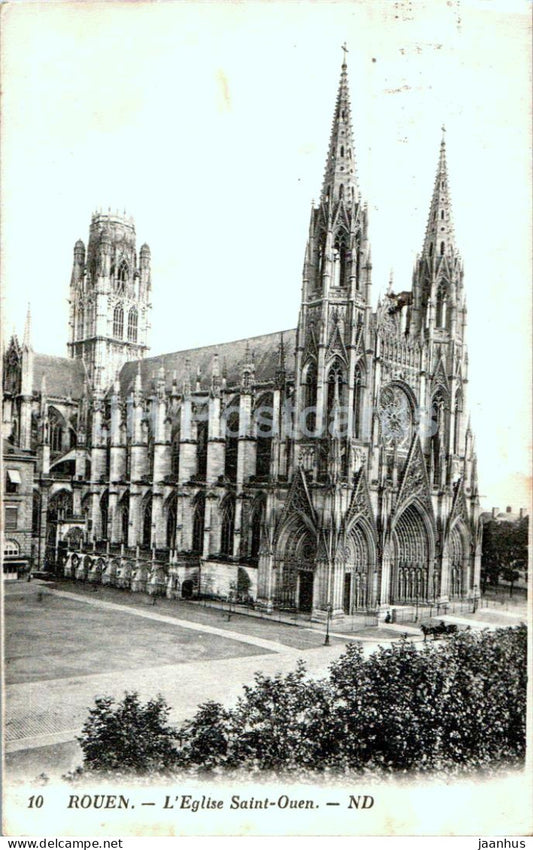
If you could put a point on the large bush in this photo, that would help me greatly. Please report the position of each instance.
(457, 704)
(128, 736)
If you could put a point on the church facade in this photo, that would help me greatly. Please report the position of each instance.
(328, 469)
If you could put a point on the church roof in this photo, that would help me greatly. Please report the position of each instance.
(231, 356)
(64, 377)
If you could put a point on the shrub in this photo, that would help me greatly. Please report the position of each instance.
(128, 736)
(457, 705)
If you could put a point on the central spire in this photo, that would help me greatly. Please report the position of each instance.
(340, 180)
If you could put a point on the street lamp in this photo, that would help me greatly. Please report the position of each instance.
(328, 617)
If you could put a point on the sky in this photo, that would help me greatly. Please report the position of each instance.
(209, 124)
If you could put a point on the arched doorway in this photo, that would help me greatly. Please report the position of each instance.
(457, 558)
(296, 565)
(359, 592)
(411, 576)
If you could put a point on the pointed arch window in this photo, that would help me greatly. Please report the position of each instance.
(342, 150)
(228, 527)
(232, 425)
(122, 276)
(55, 432)
(310, 396)
(358, 401)
(125, 518)
(201, 450)
(104, 514)
(171, 523)
(442, 308)
(255, 527)
(80, 318)
(457, 423)
(175, 449)
(118, 322)
(198, 524)
(442, 249)
(438, 436)
(263, 415)
(341, 191)
(340, 255)
(431, 249)
(133, 321)
(336, 388)
(147, 523)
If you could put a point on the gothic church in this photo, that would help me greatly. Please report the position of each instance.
(328, 470)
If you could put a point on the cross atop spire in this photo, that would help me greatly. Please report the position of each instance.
(440, 235)
(345, 49)
(340, 179)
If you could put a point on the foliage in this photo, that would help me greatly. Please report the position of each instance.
(456, 705)
(128, 736)
(504, 550)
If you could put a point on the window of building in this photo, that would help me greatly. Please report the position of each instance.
(198, 524)
(13, 480)
(171, 524)
(310, 398)
(118, 322)
(11, 518)
(132, 325)
(228, 528)
(11, 549)
(122, 276)
(232, 424)
(147, 524)
(80, 321)
(55, 425)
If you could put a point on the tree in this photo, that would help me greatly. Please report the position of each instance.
(128, 736)
(504, 551)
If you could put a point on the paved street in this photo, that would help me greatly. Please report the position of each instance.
(66, 646)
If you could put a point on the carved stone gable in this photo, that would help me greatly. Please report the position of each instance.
(415, 482)
(360, 504)
(298, 500)
(459, 505)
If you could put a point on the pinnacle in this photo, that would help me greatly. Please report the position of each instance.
(440, 236)
(340, 179)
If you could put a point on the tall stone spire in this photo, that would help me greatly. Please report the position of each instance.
(440, 236)
(340, 179)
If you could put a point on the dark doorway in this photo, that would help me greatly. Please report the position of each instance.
(305, 597)
(347, 592)
(187, 589)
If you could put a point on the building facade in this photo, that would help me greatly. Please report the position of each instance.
(329, 468)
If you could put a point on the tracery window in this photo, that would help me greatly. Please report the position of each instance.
(122, 277)
(336, 387)
(310, 394)
(133, 321)
(147, 524)
(228, 527)
(55, 425)
(118, 322)
(198, 524)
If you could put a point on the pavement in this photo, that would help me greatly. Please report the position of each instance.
(44, 715)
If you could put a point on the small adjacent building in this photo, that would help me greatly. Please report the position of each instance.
(19, 471)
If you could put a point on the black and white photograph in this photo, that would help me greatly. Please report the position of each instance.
(266, 338)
